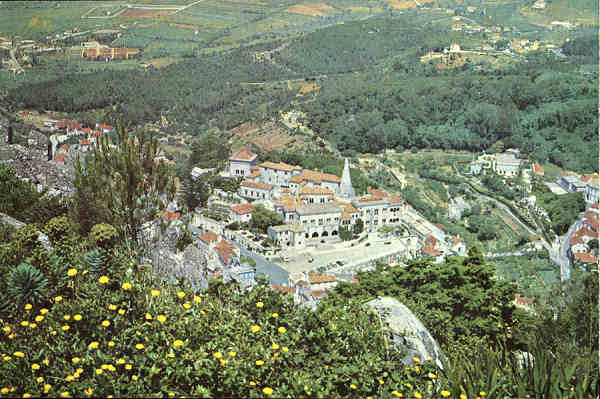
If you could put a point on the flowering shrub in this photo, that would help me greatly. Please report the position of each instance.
(126, 334)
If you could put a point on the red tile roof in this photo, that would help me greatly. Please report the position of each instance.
(283, 289)
(431, 251)
(260, 186)
(242, 209)
(85, 142)
(208, 237)
(302, 283)
(171, 215)
(60, 157)
(318, 278)
(279, 166)
(586, 257)
(315, 177)
(538, 169)
(244, 154)
(348, 211)
(64, 147)
(521, 300)
(595, 205)
(441, 226)
(253, 175)
(105, 127)
(226, 251)
(288, 203)
(575, 239)
(354, 280)
(72, 125)
(591, 215)
(318, 293)
(315, 191)
(431, 241)
(592, 223)
(86, 130)
(377, 192)
(96, 133)
(588, 177)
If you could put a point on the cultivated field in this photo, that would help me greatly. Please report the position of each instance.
(311, 9)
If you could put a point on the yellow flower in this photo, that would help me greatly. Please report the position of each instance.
(217, 355)
(224, 362)
(12, 336)
(284, 348)
(252, 383)
(76, 360)
(128, 367)
(259, 304)
(112, 307)
(432, 376)
(79, 370)
(260, 362)
(417, 395)
(232, 354)
(46, 362)
(482, 393)
(428, 359)
(72, 272)
(24, 323)
(139, 346)
(148, 316)
(77, 317)
(89, 392)
(94, 345)
(19, 354)
(416, 359)
(161, 318)
(39, 318)
(121, 312)
(155, 292)
(58, 298)
(445, 394)
(103, 279)
(187, 305)
(408, 384)
(40, 379)
(111, 367)
(381, 382)
(397, 394)
(177, 343)
(53, 332)
(26, 395)
(35, 366)
(255, 328)
(64, 395)
(105, 323)
(4, 391)
(121, 361)
(352, 386)
(44, 310)
(32, 325)
(7, 329)
(267, 391)
(47, 387)
(99, 371)
(134, 377)
(69, 378)
(111, 343)
(281, 329)
(180, 294)
(275, 346)
(126, 286)
(67, 317)
(197, 299)
(28, 306)
(463, 396)
(171, 394)
(417, 368)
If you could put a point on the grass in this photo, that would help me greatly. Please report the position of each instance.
(532, 274)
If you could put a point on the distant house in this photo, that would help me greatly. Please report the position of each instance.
(241, 213)
(240, 163)
(523, 302)
(288, 235)
(457, 207)
(60, 157)
(507, 164)
(104, 128)
(592, 190)
(253, 190)
(458, 245)
(571, 183)
(586, 259)
(320, 281)
(538, 169)
(475, 167)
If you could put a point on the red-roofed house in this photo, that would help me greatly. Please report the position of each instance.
(240, 163)
(586, 258)
(171, 215)
(320, 281)
(227, 252)
(522, 301)
(60, 157)
(283, 289)
(85, 142)
(538, 169)
(255, 190)
(208, 238)
(241, 213)
(592, 224)
(431, 241)
(104, 128)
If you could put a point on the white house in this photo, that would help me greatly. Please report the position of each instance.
(240, 163)
(592, 190)
(507, 164)
(241, 213)
(288, 235)
(253, 190)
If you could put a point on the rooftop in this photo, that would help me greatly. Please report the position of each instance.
(208, 237)
(260, 186)
(279, 166)
(288, 227)
(315, 191)
(244, 154)
(507, 159)
(318, 278)
(242, 209)
(316, 209)
(315, 177)
(586, 257)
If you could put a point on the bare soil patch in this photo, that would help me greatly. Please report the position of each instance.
(184, 26)
(401, 4)
(310, 9)
(145, 13)
(268, 136)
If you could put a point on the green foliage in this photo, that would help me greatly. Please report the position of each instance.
(562, 209)
(122, 185)
(197, 192)
(262, 218)
(26, 284)
(345, 234)
(358, 227)
(455, 300)
(95, 261)
(104, 235)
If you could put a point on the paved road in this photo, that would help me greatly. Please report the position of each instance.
(563, 258)
(275, 273)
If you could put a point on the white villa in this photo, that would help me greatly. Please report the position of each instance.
(507, 164)
(241, 163)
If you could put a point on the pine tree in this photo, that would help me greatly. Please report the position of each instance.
(121, 184)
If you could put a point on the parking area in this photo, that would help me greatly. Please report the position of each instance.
(327, 257)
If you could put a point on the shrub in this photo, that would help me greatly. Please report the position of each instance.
(104, 235)
(26, 284)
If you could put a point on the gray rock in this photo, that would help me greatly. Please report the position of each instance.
(409, 334)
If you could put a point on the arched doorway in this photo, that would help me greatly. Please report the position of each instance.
(315, 235)
(325, 234)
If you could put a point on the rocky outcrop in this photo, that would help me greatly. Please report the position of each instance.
(409, 335)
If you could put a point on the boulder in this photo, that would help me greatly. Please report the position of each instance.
(409, 335)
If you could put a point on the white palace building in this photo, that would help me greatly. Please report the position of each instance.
(314, 205)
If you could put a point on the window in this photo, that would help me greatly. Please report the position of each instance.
(377, 211)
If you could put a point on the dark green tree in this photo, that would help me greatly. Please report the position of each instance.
(358, 227)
